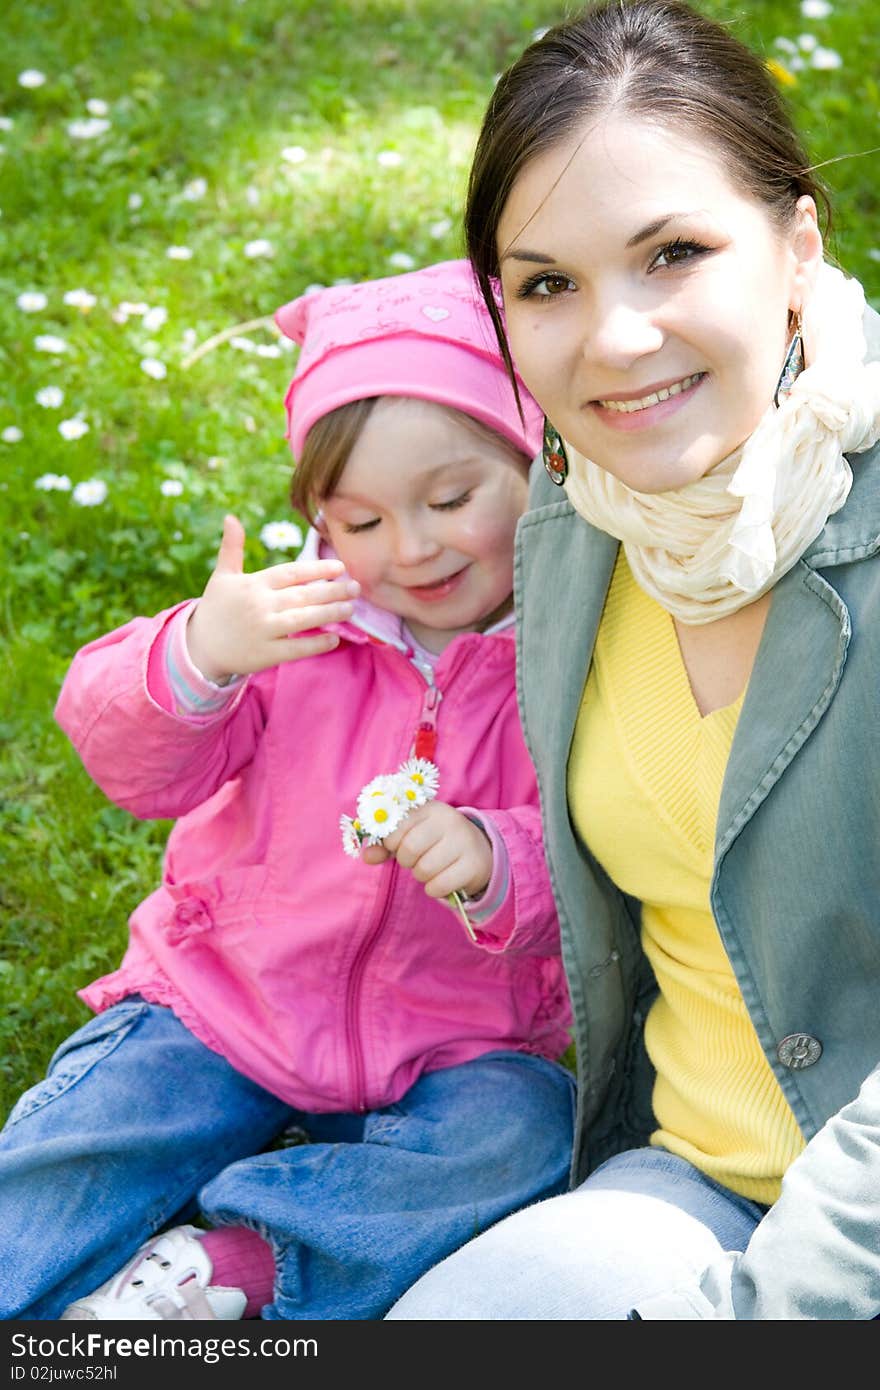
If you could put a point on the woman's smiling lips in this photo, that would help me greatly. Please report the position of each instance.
(629, 410)
(440, 589)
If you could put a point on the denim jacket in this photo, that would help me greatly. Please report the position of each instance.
(796, 883)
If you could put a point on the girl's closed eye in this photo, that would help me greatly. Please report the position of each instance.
(677, 253)
(353, 528)
(453, 504)
(548, 284)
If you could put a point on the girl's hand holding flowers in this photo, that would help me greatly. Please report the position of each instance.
(249, 622)
(441, 848)
(398, 817)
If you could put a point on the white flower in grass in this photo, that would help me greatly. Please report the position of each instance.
(96, 107)
(50, 397)
(806, 42)
(156, 318)
(31, 77)
(6, 123)
(281, 535)
(380, 808)
(88, 129)
(785, 45)
(402, 260)
(80, 299)
(242, 344)
(422, 775)
(12, 435)
(135, 202)
(815, 9)
(825, 59)
(439, 229)
(389, 159)
(294, 154)
(351, 836)
(74, 428)
(152, 367)
(171, 487)
(32, 301)
(91, 493)
(261, 247)
(48, 342)
(179, 253)
(252, 195)
(874, 253)
(194, 190)
(53, 482)
(268, 350)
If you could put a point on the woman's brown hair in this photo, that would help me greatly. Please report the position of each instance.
(658, 60)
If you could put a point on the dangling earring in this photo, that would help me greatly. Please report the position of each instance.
(794, 361)
(555, 461)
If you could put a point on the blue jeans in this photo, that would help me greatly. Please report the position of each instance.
(643, 1223)
(138, 1125)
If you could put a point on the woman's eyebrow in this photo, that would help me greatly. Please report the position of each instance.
(644, 234)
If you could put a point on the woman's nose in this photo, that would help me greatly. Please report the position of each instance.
(619, 333)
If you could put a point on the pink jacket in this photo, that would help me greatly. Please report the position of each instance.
(332, 983)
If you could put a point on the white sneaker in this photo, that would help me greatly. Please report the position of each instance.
(168, 1278)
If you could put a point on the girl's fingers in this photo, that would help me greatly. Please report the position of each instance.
(302, 572)
(292, 648)
(301, 619)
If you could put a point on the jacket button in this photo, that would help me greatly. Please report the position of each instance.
(799, 1050)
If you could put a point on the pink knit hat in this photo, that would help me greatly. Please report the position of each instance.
(425, 334)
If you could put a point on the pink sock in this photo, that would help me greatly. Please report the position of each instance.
(242, 1260)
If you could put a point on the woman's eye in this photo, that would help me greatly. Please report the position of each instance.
(451, 505)
(547, 285)
(676, 253)
(352, 528)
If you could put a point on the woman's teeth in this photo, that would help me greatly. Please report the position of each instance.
(627, 407)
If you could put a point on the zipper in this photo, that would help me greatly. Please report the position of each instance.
(424, 745)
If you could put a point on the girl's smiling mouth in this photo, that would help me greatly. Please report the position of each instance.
(440, 589)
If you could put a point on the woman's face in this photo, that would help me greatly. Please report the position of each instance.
(647, 299)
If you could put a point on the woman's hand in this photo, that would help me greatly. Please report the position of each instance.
(441, 848)
(248, 622)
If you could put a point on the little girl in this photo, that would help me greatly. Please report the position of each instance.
(273, 985)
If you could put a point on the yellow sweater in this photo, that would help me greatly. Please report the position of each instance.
(644, 782)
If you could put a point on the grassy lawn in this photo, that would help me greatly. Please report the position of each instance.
(191, 166)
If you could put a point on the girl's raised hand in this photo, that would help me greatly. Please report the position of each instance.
(249, 622)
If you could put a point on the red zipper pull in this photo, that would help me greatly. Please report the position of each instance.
(425, 743)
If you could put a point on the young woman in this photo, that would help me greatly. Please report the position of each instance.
(699, 651)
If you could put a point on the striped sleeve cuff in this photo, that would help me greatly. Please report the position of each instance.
(193, 695)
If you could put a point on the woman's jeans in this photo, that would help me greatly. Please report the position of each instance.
(138, 1125)
(643, 1223)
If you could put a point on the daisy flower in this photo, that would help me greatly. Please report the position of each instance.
(179, 253)
(281, 535)
(53, 482)
(91, 493)
(352, 832)
(31, 77)
(379, 808)
(80, 299)
(88, 128)
(260, 247)
(50, 397)
(73, 429)
(31, 301)
(152, 367)
(48, 342)
(419, 772)
(171, 487)
(12, 435)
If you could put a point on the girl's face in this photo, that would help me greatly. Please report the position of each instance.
(647, 298)
(424, 516)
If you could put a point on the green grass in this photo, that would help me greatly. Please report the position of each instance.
(214, 90)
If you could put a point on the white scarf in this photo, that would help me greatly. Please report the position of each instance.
(708, 548)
